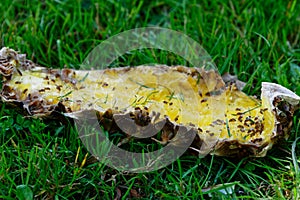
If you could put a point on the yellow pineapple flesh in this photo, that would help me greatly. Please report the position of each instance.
(227, 121)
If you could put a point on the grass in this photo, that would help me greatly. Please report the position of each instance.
(256, 40)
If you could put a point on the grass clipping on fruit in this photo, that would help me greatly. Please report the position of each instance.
(227, 121)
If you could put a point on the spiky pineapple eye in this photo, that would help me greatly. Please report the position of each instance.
(148, 95)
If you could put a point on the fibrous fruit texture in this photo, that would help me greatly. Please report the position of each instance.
(226, 120)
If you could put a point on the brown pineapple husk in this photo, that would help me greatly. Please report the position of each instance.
(226, 120)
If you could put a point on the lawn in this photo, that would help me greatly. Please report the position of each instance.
(255, 40)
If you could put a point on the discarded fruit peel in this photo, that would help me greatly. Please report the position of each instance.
(227, 121)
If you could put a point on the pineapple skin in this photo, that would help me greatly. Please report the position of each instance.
(226, 120)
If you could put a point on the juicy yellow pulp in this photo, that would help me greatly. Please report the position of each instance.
(190, 100)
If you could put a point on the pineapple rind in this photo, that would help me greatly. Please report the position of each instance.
(228, 122)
